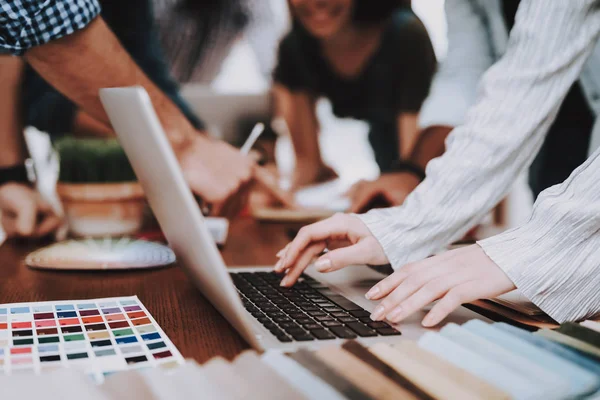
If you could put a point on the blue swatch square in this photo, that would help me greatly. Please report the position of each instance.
(66, 314)
(1, 352)
(111, 310)
(125, 340)
(86, 306)
(128, 303)
(2, 311)
(151, 336)
(19, 310)
(107, 352)
(48, 348)
(108, 304)
(65, 307)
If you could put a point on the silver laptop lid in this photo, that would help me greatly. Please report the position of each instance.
(140, 133)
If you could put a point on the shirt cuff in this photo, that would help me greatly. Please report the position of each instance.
(557, 278)
(379, 225)
(48, 21)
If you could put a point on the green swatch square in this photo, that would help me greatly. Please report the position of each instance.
(48, 339)
(146, 329)
(72, 338)
(158, 345)
(77, 356)
(123, 332)
(20, 342)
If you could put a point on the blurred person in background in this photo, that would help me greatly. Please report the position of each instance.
(373, 60)
(198, 35)
(23, 212)
(478, 33)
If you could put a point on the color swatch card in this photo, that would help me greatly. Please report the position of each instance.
(99, 336)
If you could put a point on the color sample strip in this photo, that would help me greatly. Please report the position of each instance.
(106, 335)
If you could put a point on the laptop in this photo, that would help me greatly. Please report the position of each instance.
(320, 309)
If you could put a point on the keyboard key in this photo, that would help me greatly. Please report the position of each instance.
(322, 334)
(284, 338)
(361, 330)
(303, 338)
(305, 321)
(377, 324)
(343, 332)
(388, 332)
(359, 313)
(347, 319)
(316, 313)
(312, 326)
(341, 301)
(324, 318)
(331, 323)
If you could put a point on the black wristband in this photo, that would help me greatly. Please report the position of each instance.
(17, 173)
(407, 166)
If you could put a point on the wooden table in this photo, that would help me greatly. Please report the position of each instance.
(192, 323)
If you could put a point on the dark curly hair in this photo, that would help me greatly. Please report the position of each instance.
(367, 12)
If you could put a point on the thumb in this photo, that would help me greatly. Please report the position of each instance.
(362, 199)
(333, 260)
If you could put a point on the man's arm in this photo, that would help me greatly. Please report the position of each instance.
(80, 64)
(12, 151)
(519, 99)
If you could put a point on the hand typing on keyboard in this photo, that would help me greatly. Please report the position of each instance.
(311, 240)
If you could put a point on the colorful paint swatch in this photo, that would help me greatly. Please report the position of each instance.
(157, 345)
(45, 324)
(123, 332)
(115, 317)
(98, 335)
(48, 339)
(106, 335)
(92, 320)
(66, 314)
(20, 325)
(126, 340)
(137, 314)
(145, 329)
(73, 338)
(68, 321)
(87, 313)
(151, 336)
(49, 315)
(141, 321)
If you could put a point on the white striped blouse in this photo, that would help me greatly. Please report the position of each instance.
(554, 259)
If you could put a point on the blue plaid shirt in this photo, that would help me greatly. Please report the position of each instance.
(28, 23)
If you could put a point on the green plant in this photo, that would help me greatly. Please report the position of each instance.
(93, 161)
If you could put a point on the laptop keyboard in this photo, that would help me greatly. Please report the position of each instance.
(307, 311)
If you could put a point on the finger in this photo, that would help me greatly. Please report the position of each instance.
(267, 180)
(455, 297)
(49, 224)
(330, 228)
(9, 224)
(431, 291)
(303, 262)
(281, 252)
(26, 217)
(342, 257)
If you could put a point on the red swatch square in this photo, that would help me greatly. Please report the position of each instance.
(137, 314)
(3, 325)
(114, 317)
(45, 324)
(21, 325)
(92, 320)
(20, 350)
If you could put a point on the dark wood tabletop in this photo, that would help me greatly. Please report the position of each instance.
(192, 323)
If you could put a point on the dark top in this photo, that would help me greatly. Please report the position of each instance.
(48, 110)
(566, 145)
(395, 79)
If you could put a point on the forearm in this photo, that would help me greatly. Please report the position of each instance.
(430, 145)
(553, 259)
(80, 64)
(408, 133)
(12, 151)
(520, 97)
(298, 111)
(86, 125)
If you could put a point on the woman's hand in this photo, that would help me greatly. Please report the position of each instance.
(454, 277)
(391, 188)
(25, 214)
(311, 172)
(361, 247)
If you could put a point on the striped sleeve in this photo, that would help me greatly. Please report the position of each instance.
(554, 259)
(518, 100)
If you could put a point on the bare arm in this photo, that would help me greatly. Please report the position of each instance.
(430, 144)
(12, 151)
(408, 133)
(298, 110)
(80, 64)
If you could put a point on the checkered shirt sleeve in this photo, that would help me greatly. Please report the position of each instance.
(28, 23)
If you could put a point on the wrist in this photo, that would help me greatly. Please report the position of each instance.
(20, 173)
(408, 167)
